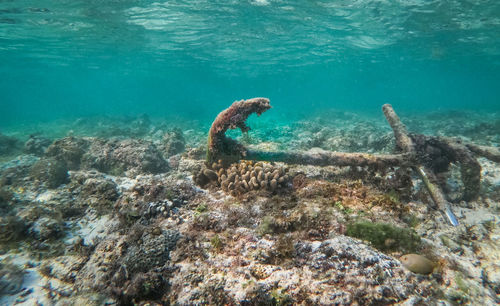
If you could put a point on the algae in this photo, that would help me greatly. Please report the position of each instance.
(267, 226)
(384, 236)
(201, 208)
(280, 298)
(217, 243)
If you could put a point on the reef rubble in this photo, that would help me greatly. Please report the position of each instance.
(144, 220)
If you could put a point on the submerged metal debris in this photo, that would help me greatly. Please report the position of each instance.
(417, 152)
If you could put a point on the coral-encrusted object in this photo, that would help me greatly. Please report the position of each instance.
(225, 148)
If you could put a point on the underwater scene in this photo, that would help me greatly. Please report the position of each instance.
(251, 152)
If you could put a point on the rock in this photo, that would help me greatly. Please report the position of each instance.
(153, 251)
(11, 279)
(120, 259)
(68, 149)
(64, 268)
(50, 171)
(337, 271)
(45, 228)
(36, 145)
(11, 228)
(144, 286)
(7, 144)
(173, 142)
(131, 157)
(348, 264)
(15, 171)
(87, 299)
(97, 271)
(94, 189)
(417, 263)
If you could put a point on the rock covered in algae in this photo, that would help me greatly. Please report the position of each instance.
(7, 144)
(68, 149)
(45, 228)
(93, 188)
(50, 171)
(11, 279)
(173, 142)
(14, 172)
(417, 263)
(118, 260)
(336, 271)
(36, 145)
(130, 156)
(11, 228)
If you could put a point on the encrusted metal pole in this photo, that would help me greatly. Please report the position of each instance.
(226, 149)
(319, 157)
(406, 145)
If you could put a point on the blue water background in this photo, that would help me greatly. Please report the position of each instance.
(66, 59)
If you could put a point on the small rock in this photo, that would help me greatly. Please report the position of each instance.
(45, 228)
(11, 279)
(417, 263)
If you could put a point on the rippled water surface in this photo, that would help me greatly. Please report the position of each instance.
(192, 58)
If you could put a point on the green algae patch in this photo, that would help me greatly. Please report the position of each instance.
(385, 237)
(217, 243)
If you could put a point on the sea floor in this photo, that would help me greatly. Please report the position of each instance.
(104, 210)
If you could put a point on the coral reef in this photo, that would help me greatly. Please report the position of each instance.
(246, 176)
(127, 228)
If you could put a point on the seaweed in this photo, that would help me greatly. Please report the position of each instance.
(385, 237)
(216, 243)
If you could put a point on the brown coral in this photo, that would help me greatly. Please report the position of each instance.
(244, 176)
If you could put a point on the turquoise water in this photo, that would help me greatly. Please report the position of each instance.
(66, 59)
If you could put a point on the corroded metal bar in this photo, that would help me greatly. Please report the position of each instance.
(490, 153)
(405, 143)
(319, 157)
(436, 194)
